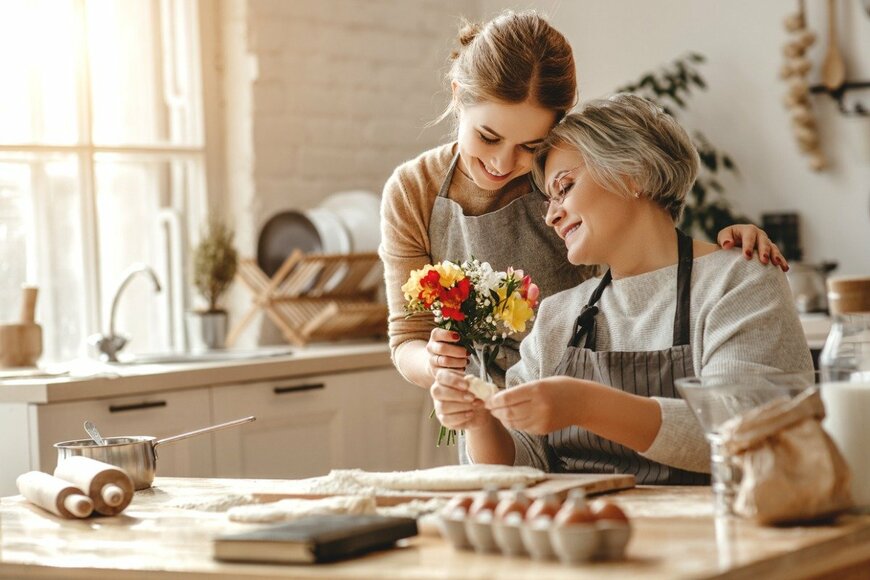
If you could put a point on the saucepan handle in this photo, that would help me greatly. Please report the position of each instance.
(203, 430)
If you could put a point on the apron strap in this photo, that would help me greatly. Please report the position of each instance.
(445, 185)
(684, 289)
(585, 323)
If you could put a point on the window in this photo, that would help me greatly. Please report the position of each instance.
(102, 164)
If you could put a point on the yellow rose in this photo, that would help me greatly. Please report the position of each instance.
(449, 273)
(515, 313)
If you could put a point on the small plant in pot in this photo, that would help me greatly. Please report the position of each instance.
(214, 266)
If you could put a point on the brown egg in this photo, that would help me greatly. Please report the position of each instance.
(545, 507)
(575, 511)
(517, 504)
(604, 510)
(458, 506)
(485, 501)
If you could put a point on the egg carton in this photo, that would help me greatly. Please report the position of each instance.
(571, 544)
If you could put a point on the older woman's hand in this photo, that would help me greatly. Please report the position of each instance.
(444, 353)
(538, 407)
(455, 406)
(749, 237)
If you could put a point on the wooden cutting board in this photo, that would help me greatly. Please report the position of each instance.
(558, 483)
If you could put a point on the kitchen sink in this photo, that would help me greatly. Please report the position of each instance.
(219, 355)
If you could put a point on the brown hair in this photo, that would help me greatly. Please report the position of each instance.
(627, 136)
(515, 57)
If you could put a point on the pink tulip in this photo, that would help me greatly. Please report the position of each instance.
(532, 295)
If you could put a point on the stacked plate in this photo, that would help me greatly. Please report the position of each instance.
(345, 222)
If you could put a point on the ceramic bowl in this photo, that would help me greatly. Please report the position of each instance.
(480, 535)
(573, 544)
(613, 539)
(509, 539)
(454, 530)
(536, 539)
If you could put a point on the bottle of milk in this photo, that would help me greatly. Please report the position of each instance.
(845, 373)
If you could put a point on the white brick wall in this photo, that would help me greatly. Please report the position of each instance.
(342, 92)
(326, 95)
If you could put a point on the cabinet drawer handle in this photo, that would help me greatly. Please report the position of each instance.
(298, 388)
(136, 406)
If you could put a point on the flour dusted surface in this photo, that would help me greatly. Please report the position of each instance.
(448, 477)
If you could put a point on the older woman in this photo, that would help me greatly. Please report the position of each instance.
(594, 389)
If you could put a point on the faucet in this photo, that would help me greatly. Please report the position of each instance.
(110, 344)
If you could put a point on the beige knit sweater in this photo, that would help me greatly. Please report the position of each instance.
(406, 208)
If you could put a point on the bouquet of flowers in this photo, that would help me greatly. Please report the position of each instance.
(483, 306)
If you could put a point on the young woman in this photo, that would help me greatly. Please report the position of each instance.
(594, 391)
(512, 80)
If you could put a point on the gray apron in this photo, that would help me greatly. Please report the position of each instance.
(492, 238)
(646, 373)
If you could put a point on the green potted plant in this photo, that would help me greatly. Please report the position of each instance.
(214, 266)
(707, 209)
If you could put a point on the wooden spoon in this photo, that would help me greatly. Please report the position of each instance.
(833, 68)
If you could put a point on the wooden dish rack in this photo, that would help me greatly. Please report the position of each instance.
(315, 297)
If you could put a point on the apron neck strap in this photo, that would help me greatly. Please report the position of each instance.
(585, 323)
(684, 288)
(445, 185)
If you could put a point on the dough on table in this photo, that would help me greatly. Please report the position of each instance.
(480, 388)
(448, 477)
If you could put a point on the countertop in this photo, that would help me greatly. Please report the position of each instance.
(675, 536)
(96, 380)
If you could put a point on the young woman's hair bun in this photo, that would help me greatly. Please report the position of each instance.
(468, 31)
(515, 57)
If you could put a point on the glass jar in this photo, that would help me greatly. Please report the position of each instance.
(845, 376)
(846, 354)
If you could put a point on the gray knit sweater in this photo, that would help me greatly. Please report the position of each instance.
(742, 319)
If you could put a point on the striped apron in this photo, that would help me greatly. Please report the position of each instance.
(645, 373)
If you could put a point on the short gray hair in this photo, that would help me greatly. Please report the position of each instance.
(627, 136)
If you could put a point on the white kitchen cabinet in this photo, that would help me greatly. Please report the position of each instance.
(314, 413)
(299, 431)
(158, 415)
(307, 426)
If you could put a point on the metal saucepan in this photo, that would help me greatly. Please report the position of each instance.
(135, 455)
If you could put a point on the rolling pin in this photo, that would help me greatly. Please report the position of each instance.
(110, 488)
(54, 494)
(21, 343)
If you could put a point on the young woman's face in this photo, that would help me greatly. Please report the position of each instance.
(497, 140)
(590, 219)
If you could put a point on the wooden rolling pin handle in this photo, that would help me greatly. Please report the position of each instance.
(78, 505)
(112, 494)
(55, 495)
(28, 304)
(109, 487)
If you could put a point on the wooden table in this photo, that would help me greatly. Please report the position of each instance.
(675, 536)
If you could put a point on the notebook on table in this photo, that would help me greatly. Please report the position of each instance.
(321, 538)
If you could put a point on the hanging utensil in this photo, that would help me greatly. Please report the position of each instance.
(833, 67)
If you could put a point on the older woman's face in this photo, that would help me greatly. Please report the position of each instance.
(497, 140)
(590, 219)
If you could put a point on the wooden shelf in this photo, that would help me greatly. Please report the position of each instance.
(316, 297)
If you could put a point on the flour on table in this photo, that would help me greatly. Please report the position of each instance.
(292, 509)
(414, 508)
(214, 504)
